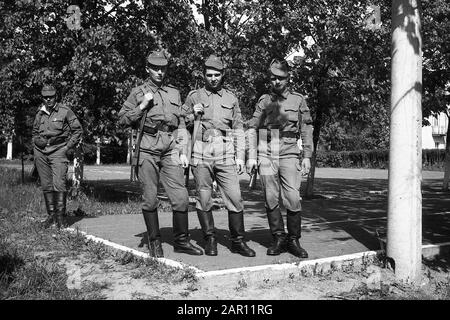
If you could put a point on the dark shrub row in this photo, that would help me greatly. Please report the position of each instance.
(432, 159)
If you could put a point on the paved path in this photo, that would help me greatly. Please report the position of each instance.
(345, 217)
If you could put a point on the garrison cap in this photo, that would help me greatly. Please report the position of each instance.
(157, 58)
(48, 90)
(214, 62)
(279, 68)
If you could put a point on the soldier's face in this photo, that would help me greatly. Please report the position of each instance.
(278, 83)
(157, 73)
(49, 101)
(213, 79)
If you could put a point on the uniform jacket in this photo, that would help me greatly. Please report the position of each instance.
(222, 114)
(56, 128)
(164, 112)
(281, 113)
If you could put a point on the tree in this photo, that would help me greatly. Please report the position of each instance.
(436, 66)
(344, 69)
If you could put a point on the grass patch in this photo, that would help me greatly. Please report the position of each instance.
(30, 256)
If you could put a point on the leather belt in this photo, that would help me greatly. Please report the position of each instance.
(283, 134)
(212, 133)
(155, 127)
(56, 140)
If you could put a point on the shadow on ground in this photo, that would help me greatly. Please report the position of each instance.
(358, 207)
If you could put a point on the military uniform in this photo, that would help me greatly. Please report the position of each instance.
(279, 120)
(161, 144)
(55, 131)
(219, 142)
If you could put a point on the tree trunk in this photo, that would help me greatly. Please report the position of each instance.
(9, 149)
(206, 14)
(78, 164)
(130, 147)
(447, 157)
(97, 161)
(77, 177)
(404, 234)
(309, 191)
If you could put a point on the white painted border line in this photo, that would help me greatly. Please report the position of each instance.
(433, 246)
(281, 266)
(295, 265)
(114, 245)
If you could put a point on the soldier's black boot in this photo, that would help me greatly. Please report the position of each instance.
(206, 220)
(181, 235)
(153, 233)
(276, 227)
(278, 246)
(294, 222)
(236, 226)
(61, 199)
(49, 197)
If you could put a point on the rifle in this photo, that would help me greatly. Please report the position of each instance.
(197, 123)
(253, 175)
(135, 160)
(197, 75)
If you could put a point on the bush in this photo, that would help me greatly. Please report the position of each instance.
(432, 159)
(353, 159)
(108, 154)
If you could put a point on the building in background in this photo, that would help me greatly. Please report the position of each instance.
(434, 136)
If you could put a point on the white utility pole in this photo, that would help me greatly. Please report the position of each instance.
(404, 236)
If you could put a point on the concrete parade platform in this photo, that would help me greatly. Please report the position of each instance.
(348, 216)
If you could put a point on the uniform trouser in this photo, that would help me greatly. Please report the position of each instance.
(52, 169)
(228, 183)
(152, 170)
(284, 173)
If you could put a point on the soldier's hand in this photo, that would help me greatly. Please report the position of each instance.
(251, 163)
(240, 166)
(146, 100)
(40, 142)
(68, 152)
(300, 144)
(184, 161)
(198, 109)
(306, 166)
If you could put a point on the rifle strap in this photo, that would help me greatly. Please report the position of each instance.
(138, 143)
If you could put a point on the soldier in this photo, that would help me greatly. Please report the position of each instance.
(281, 117)
(218, 153)
(155, 108)
(56, 130)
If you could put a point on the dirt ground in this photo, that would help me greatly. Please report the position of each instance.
(370, 282)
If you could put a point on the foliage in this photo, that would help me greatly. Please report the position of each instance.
(432, 159)
(343, 67)
(436, 56)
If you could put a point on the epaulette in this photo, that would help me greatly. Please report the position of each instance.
(172, 88)
(298, 94)
(228, 90)
(139, 88)
(265, 95)
(191, 92)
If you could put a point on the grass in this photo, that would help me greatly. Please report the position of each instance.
(30, 256)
